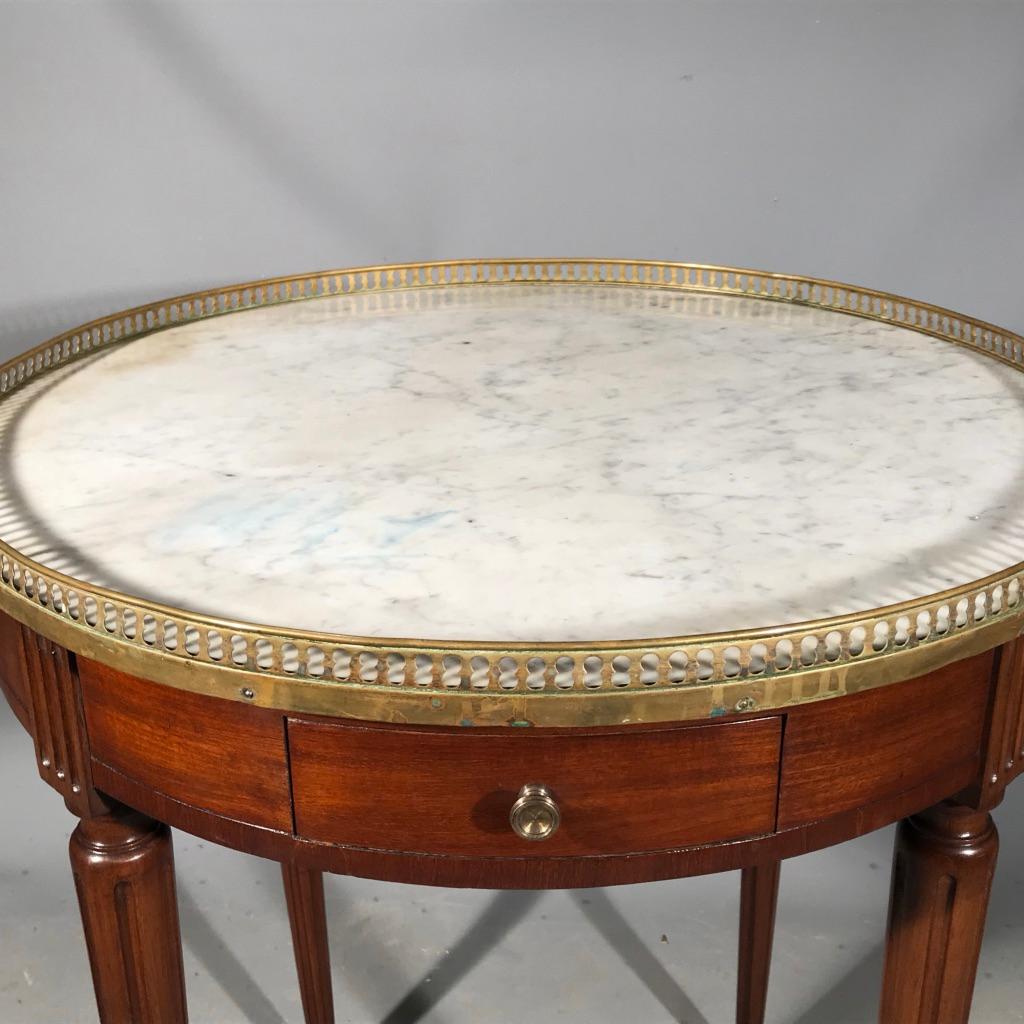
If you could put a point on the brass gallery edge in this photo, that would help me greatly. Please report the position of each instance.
(490, 682)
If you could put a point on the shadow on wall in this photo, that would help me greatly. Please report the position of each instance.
(286, 154)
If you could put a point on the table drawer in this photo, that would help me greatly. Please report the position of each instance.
(221, 756)
(867, 747)
(618, 790)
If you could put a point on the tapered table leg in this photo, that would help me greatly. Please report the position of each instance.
(942, 872)
(123, 866)
(759, 893)
(304, 893)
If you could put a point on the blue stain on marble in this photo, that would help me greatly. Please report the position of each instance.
(312, 539)
(227, 519)
(402, 527)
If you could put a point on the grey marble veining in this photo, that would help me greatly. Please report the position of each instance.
(527, 462)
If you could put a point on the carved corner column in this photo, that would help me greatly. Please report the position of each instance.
(1003, 748)
(942, 872)
(122, 861)
(943, 864)
(58, 723)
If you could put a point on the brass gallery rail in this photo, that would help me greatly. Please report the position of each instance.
(490, 682)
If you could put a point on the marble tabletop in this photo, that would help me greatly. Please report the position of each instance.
(522, 462)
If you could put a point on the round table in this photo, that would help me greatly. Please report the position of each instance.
(520, 574)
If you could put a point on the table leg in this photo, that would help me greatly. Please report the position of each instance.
(942, 872)
(759, 894)
(304, 894)
(123, 866)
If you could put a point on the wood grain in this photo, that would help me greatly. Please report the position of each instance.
(450, 792)
(218, 755)
(1003, 758)
(430, 806)
(304, 894)
(528, 872)
(58, 726)
(123, 867)
(759, 896)
(942, 872)
(13, 681)
(843, 753)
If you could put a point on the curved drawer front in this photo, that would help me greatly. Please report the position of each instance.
(617, 790)
(844, 754)
(217, 755)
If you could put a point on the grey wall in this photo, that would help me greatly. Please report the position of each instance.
(149, 148)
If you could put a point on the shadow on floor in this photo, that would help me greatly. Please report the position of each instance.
(222, 964)
(601, 912)
(499, 917)
(853, 999)
(502, 914)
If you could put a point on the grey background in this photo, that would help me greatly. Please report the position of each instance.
(148, 148)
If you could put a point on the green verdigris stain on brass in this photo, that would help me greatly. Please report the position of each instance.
(717, 711)
(520, 722)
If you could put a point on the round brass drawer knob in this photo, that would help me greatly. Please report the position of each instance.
(534, 815)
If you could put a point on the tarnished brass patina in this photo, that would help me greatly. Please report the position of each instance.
(494, 682)
(535, 814)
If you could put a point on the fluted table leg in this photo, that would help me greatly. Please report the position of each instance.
(759, 893)
(942, 872)
(304, 893)
(123, 866)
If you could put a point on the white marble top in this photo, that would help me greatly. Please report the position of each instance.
(522, 463)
